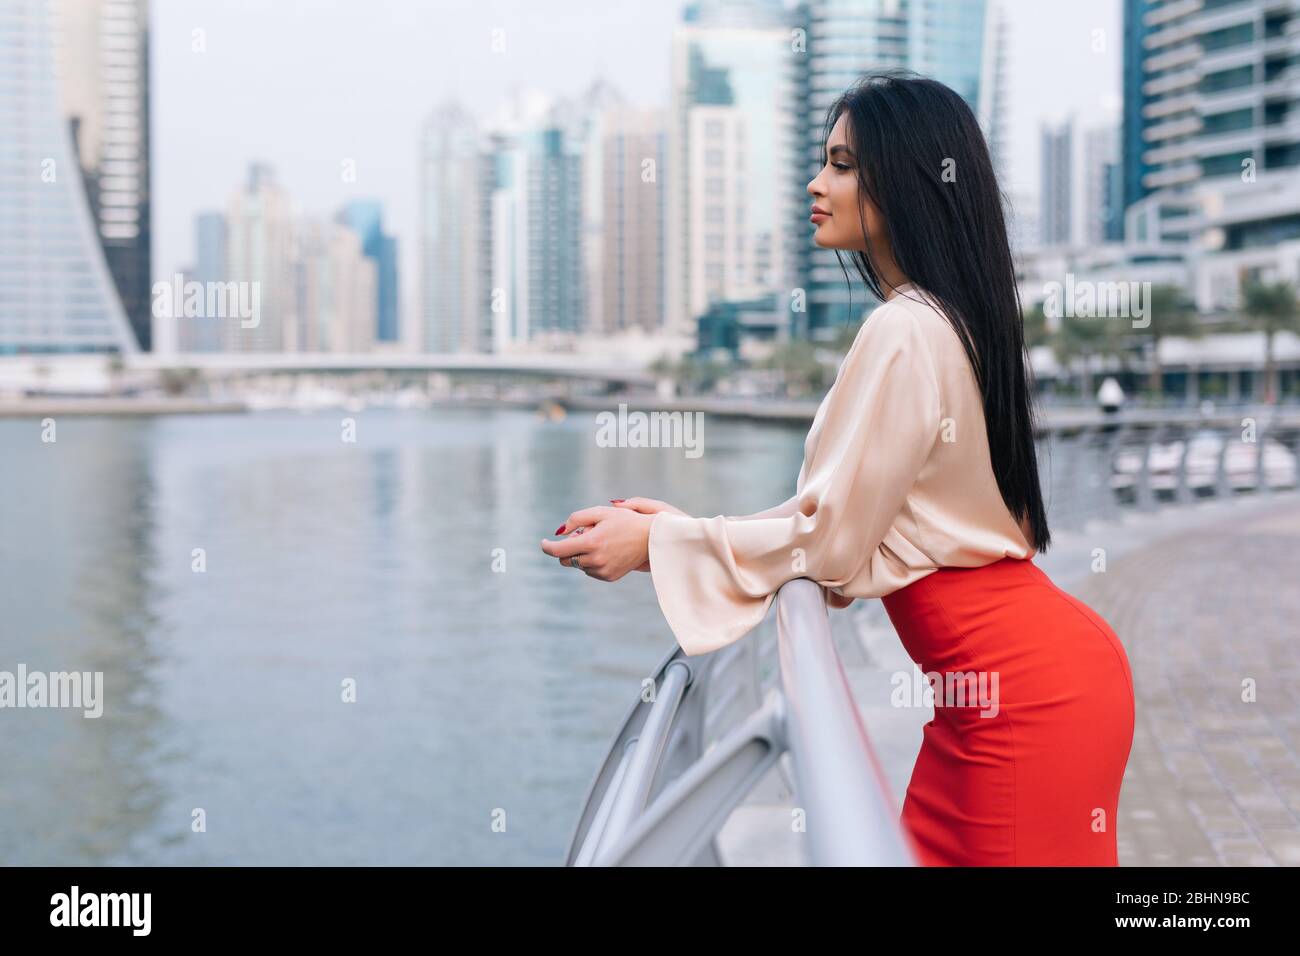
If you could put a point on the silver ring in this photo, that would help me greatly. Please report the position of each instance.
(573, 563)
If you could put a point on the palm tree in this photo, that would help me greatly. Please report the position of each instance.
(1270, 308)
(1170, 313)
(693, 373)
(1078, 340)
(116, 366)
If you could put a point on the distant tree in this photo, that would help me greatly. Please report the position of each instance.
(116, 366)
(801, 367)
(177, 381)
(1270, 308)
(692, 373)
(664, 366)
(1171, 313)
(1078, 339)
(1034, 321)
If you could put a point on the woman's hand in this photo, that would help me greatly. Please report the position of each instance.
(608, 542)
(648, 506)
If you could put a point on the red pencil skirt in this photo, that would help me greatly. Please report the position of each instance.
(1033, 720)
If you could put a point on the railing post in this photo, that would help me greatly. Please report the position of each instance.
(1262, 433)
(647, 751)
(1182, 492)
(1222, 484)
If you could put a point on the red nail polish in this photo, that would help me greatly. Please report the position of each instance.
(560, 530)
(615, 500)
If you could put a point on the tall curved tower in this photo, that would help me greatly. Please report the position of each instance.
(56, 291)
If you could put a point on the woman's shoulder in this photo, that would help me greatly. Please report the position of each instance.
(914, 311)
(912, 304)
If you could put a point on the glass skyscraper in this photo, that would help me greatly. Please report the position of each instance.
(734, 106)
(102, 62)
(953, 41)
(57, 293)
(366, 219)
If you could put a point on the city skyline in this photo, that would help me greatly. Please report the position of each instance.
(197, 164)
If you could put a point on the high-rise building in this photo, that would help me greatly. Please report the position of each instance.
(1212, 152)
(457, 182)
(1056, 195)
(586, 120)
(1103, 212)
(940, 35)
(1080, 195)
(991, 94)
(552, 184)
(731, 156)
(203, 333)
(628, 291)
(719, 240)
(538, 296)
(260, 252)
(950, 40)
(1132, 146)
(366, 219)
(56, 290)
(102, 60)
(334, 301)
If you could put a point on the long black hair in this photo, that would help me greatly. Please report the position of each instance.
(923, 162)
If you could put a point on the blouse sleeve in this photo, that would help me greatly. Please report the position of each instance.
(715, 578)
(784, 509)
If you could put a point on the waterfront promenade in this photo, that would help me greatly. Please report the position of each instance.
(1203, 598)
(1206, 614)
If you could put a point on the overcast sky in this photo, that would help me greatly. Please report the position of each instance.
(307, 84)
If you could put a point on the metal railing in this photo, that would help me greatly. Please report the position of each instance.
(661, 795)
(1101, 470)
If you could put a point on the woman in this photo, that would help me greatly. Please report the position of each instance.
(920, 486)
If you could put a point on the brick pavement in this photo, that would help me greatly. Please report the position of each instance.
(1213, 779)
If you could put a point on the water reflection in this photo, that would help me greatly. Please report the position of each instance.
(478, 692)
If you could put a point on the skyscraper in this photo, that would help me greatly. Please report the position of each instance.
(1212, 152)
(552, 184)
(260, 251)
(334, 300)
(366, 219)
(946, 39)
(613, 137)
(102, 60)
(1133, 149)
(992, 91)
(1056, 195)
(457, 178)
(1103, 211)
(731, 156)
(538, 295)
(203, 333)
(56, 291)
(630, 246)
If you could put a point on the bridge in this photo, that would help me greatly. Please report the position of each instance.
(541, 365)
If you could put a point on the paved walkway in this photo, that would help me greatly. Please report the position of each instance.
(1204, 615)
(1203, 597)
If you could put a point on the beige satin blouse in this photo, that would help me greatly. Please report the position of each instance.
(896, 482)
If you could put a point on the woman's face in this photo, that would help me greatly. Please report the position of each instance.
(837, 197)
